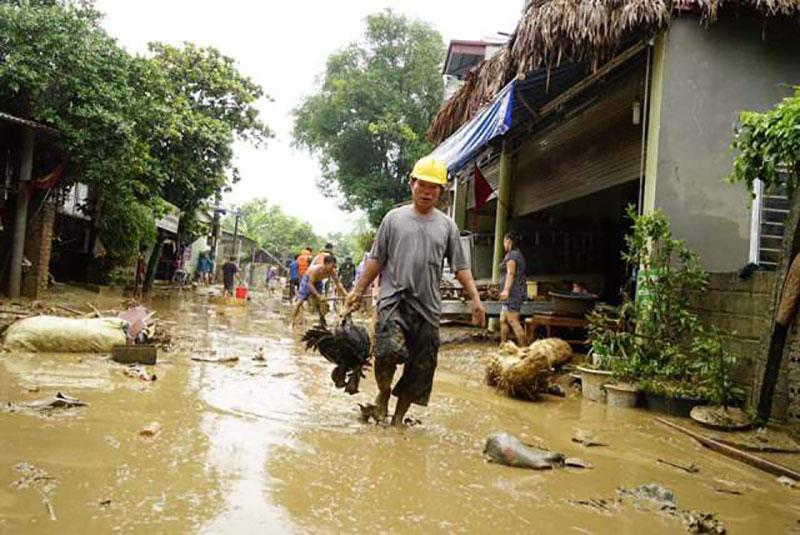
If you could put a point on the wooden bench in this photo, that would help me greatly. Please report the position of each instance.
(548, 321)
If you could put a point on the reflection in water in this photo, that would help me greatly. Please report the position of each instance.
(273, 447)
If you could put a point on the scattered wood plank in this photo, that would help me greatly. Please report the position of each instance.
(691, 469)
(729, 491)
(735, 453)
(71, 310)
(763, 448)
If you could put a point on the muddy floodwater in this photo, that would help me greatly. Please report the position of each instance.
(272, 447)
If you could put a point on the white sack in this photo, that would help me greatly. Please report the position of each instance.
(53, 334)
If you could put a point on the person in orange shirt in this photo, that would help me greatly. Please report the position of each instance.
(303, 262)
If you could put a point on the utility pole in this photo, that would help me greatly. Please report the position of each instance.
(236, 235)
(21, 220)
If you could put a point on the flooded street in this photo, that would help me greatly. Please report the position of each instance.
(272, 446)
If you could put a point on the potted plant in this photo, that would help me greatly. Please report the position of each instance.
(713, 369)
(610, 342)
(656, 341)
(614, 350)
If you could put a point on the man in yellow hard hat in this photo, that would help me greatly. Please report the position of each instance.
(409, 252)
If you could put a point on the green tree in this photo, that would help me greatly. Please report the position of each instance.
(58, 67)
(768, 145)
(273, 229)
(136, 129)
(367, 121)
(354, 242)
(210, 105)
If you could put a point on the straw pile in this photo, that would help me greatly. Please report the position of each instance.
(522, 372)
(555, 350)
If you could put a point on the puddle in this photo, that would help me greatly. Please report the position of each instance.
(245, 447)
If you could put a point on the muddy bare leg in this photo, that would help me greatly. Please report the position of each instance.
(384, 373)
(512, 319)
(323, 309)
(297, 308)
(503, 327)
(400, 410)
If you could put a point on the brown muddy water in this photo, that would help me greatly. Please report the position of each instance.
(272, 447)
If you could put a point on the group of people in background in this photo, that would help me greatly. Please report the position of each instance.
(311, 279)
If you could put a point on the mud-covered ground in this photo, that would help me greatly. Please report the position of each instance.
(271, 446)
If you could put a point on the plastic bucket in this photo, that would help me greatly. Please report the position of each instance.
(619, 395)
(241, 292)
(592, 383)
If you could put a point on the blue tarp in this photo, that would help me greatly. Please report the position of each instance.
(492, 121)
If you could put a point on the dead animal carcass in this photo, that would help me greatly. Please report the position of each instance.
(347, 347)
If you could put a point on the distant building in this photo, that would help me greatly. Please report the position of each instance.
(462, 56)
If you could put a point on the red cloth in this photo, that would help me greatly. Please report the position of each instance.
(51, 179)
(48, 181)
(483, 190)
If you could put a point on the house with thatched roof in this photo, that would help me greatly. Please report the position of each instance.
(596, 105)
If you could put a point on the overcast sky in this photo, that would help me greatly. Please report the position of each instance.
(283, 47)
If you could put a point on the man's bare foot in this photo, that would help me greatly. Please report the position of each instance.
(367, 412)
(400, 410)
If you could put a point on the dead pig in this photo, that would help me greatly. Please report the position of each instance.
(503, 448)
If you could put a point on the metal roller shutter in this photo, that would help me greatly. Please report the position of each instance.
(595, 150)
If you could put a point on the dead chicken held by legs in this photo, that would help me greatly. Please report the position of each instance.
(347, 347)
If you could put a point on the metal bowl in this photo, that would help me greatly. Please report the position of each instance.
(572, 304)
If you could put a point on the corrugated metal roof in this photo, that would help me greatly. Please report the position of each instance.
(26, 122)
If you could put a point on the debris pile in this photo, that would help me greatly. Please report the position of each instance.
(47, 404)
(662, 499)
(33, 477)
(41, 327)
(524, 372)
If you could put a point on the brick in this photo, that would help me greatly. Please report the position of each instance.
(38, 246)
(745, 350)
(780, 407)
(717, 281)
(764, 281)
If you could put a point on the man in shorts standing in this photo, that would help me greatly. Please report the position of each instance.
(311, 288)
(230, 271)
(409, 252)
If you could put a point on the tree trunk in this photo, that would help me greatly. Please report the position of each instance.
(767, 381)
(152, 264)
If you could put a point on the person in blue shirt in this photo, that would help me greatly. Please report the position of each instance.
(204, 268)
(294, 277)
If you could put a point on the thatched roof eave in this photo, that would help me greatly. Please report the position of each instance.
(551, 32)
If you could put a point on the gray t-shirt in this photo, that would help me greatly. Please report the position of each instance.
(411, 249)
(519, 289)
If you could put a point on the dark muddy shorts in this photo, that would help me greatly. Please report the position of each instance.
(514, 303)
(403, 336)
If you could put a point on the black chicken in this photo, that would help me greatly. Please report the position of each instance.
(347, 347)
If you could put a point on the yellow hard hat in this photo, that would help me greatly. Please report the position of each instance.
(430, 170)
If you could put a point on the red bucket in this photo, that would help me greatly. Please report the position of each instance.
(241, 292)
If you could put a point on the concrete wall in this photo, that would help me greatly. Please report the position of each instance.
(741, 308)
(709, 76)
